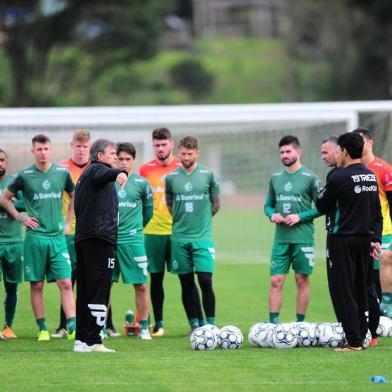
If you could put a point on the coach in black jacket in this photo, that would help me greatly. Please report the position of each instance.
(96, 211)
(350, 197)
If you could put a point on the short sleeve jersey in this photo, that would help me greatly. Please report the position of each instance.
(43, 193)
(191, 195)
(293, 193)
(75, 172)
(10, 229)
(383, 172)
(135, 195)
(161, 221)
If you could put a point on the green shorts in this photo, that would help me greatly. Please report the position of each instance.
(71, 250)
(192, 256)
(300, 256)
(158, 249)
(46, 256)
(11, 262)
(131, 261)
(386, 245)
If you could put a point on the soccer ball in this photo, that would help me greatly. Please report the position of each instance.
(331, 335)
(384, 328)
(203, 339)
(260, 335)
(230, 338)
(213, 328)
(284, 336)
(368, 338)
(307, 335)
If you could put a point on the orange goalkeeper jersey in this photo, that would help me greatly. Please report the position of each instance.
(75, 172)
(161, 222)
(383, 171)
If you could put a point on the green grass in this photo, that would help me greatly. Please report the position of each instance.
(169, 364)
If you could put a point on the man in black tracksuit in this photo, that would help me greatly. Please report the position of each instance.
(96, 211)
(350, 197)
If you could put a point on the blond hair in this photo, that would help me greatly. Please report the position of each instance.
(81, 136)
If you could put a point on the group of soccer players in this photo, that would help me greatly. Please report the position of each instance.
(291, 201)
(166, 190)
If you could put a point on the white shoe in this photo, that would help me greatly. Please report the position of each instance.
(145, 334)
(60, 333)
(100, 348)
(80, 347)
(2, 338)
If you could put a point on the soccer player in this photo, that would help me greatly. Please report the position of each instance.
(135, 206)
(383, 171)
(288, 205)
(96, 210)
(45, 248)
(158, 231)
(11, 251)
(80, 146)
(351, 197)
(192, 197)
(329, 153)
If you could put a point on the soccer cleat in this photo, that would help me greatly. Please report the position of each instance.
(159, 332)
(8, 333)
(99, 348)
(144, 334)
(71, 336)
(349, 349)
(80, 347)
(373, 342)
(2, 338)
(60, 333)
(43, 335)
(112, 332)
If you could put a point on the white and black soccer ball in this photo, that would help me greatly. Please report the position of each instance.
(368, 338)
(284, 336)
(331, 335)
(260, 335)
(213, 328)
(203, 339)
(384, 328)
(307, 334)
(230, 338)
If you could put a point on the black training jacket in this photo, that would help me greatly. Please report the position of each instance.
(96, 204)
(350, 198)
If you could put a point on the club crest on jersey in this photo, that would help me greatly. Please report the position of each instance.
(288, 186)
(188, 186)
(122, 193)
(46, 184)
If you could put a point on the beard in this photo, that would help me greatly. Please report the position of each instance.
(163, 157)
(2, 172)
(188, 164)
(287, 162)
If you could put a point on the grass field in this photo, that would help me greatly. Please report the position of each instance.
(169, 364)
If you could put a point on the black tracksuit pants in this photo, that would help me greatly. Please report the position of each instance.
(347, 269)
(95, 263)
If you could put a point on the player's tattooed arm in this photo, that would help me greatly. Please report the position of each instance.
(215, 204)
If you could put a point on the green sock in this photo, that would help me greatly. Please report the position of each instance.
(158, 324)
(71, 324)
(10, 301)
(194, 323)
(143, 324)
(386, 298)
(300, 317)
(42, 324)
(211, 320)
(202, 322)
(274, 317)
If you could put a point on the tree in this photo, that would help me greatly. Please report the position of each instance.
(110, 31)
